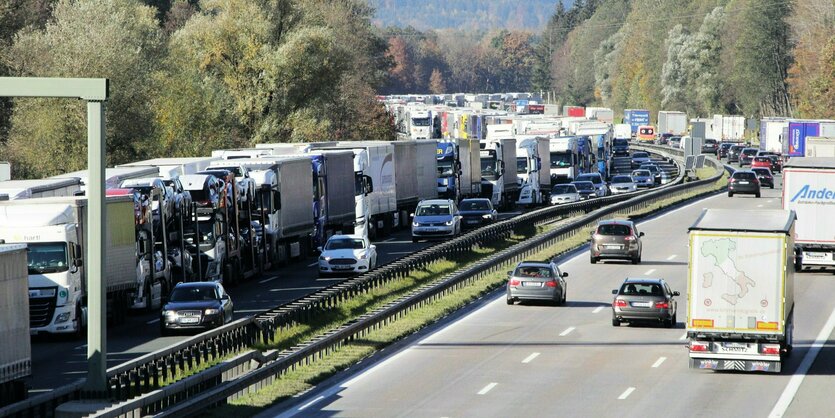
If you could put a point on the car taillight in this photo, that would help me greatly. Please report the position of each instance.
(552, 283)
(772, 349)
(698, 346)
(514, 282)
(620, 303)
(629, 238)
(661, 305)
(732, 180)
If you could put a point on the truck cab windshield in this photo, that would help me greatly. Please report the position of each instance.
(559, 160)
(445, 168)
(488, 165)
(521, 165)
(47, 257)
(420, 121)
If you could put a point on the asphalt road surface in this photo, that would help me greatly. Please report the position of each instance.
(535, 360)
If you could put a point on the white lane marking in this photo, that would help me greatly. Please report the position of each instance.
(389, 240)
(295, 288)
(567, 331)
(759, 206)
(650, 271)
(671, 257)
(530, 358)
(626, 393)
(683, 337)
(401, 252)
(487, 388)
(153, 321)
(268, 279)
(769, 201)
(399, 242)
(597, 309)
(794, 383)
(301, 408)
(77, 348)
(313, 264)
(658, 362)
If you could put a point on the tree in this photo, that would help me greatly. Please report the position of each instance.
(49, 136)
(436, 82)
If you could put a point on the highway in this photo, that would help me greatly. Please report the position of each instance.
(536, 360)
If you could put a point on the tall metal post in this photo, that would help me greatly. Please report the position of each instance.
(96, 248)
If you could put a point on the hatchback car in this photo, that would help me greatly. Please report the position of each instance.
(763, 161)
(537, 280)
(347, 254)
(564, 193)
(196, 306)
(674, 142)
(710, 146)
(618, 239)
(622, 184)
(722, 150)
(585, 189)
(436, 218)
(746, 156)
(733, 153)
(658, 175)
(776, 163)
(476, 212)
(764, 176)
(597, 180)
(640, 157)
(643, 178)
(644, 299)
(744, 182)
(620, 146)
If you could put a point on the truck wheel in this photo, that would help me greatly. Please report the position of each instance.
(149, 299)
(228, 275)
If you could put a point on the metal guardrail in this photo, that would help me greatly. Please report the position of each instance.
(242, 376)
(148, 373)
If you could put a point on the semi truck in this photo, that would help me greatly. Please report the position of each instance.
(799, 130)
(740, 301)
(575, 111)
(601, 137)
(819, 146)
(15, 347)
(459, 168)
(671, 122)
(809, 190)
(602, 114)
(28, 189)
(771, 134)
(729, 128)
(636, 118)
(499, 180)
(532, 155)
(420, 124)
(564, 153)
(55, 232)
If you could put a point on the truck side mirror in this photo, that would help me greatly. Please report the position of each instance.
(369, 185)
(277, 200)
(676, 293)
(77, 255)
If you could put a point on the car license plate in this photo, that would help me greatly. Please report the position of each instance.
(472, 221)
(613, 247)
(641, 304)
(430, 229)
(189, 320)
(343, 267)
(531, 284)
(743, 182)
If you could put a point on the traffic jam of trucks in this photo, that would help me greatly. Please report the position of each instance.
(238, 213)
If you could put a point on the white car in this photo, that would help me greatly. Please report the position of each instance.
(347, 254)
(564, 193)
(622, 184)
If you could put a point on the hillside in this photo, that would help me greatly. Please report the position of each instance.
(465, 14)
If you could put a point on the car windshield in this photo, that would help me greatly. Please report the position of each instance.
(640, 155)
(638, 289)
(562, 189)
(434, 210)
(47, 257)
(345, 244)
(650, 168)
(620, 142)
(621, 179)
(762, 159)
(584, 185)
(488, 164)
(594, 178)
(614, 229)
(641, 173)
(533, 271)
(193, 294)
(475, 205)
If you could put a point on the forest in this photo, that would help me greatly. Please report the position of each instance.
(464, 15)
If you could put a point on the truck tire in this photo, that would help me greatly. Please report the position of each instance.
(228, 275)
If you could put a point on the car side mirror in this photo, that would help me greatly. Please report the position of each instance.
(319, 249)
(373, 247)
(564, 274)
(224, 297)
(411, 215)
(640, 234)
(614, 291)
(509, 273)
(676, 293)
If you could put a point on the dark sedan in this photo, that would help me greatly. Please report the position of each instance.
(733, 153)
(722, 151)
(743, 182)
(585, 189)
(764, 176)
(196, 306)
(644, 299)
(746, 156)
(477, 212)
(709, 146)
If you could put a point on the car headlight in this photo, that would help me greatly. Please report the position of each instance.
(448, 223)
(324, 258)
(211, 312)
(415, 224)
(363, 256)
(167, 313)
(487, 216)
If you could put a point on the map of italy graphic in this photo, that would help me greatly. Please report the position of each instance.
(723, 254)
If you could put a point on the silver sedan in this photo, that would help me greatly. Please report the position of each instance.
(537, 280)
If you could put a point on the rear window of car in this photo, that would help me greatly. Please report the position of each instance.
(584, 185)
(710, 141)
(533, 271)
(641, 173)
(640, 155)
(762, 171)
(638, 289)
(736, 148)
(621, 179)
(763, 159)
(744, 176)
(614, 229)
(594, 178)
(750, 151)
(475, 205)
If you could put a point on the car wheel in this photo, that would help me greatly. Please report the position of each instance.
(564, 297)
(509, 301)
(674, 320)
(758, 195)
(615, 322)
(636, 260)
(414, 240)
(593, 260)
(730, 194)
(771, 187)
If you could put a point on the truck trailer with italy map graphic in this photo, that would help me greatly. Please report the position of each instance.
(740, 296)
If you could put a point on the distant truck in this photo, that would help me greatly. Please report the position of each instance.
(602, 114)
(771, 134)
(635, 118)
(670, 122)
(15, 347)
(809, 190)
(729, 128)
(420, 124)
(459, 168)
(55, 232)
(28, 189)
(532, 156)
(741, 290)
(499, 181)
(565, 159)
(799, 130)
(622, 131)
(819, 146)
(575, 111)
